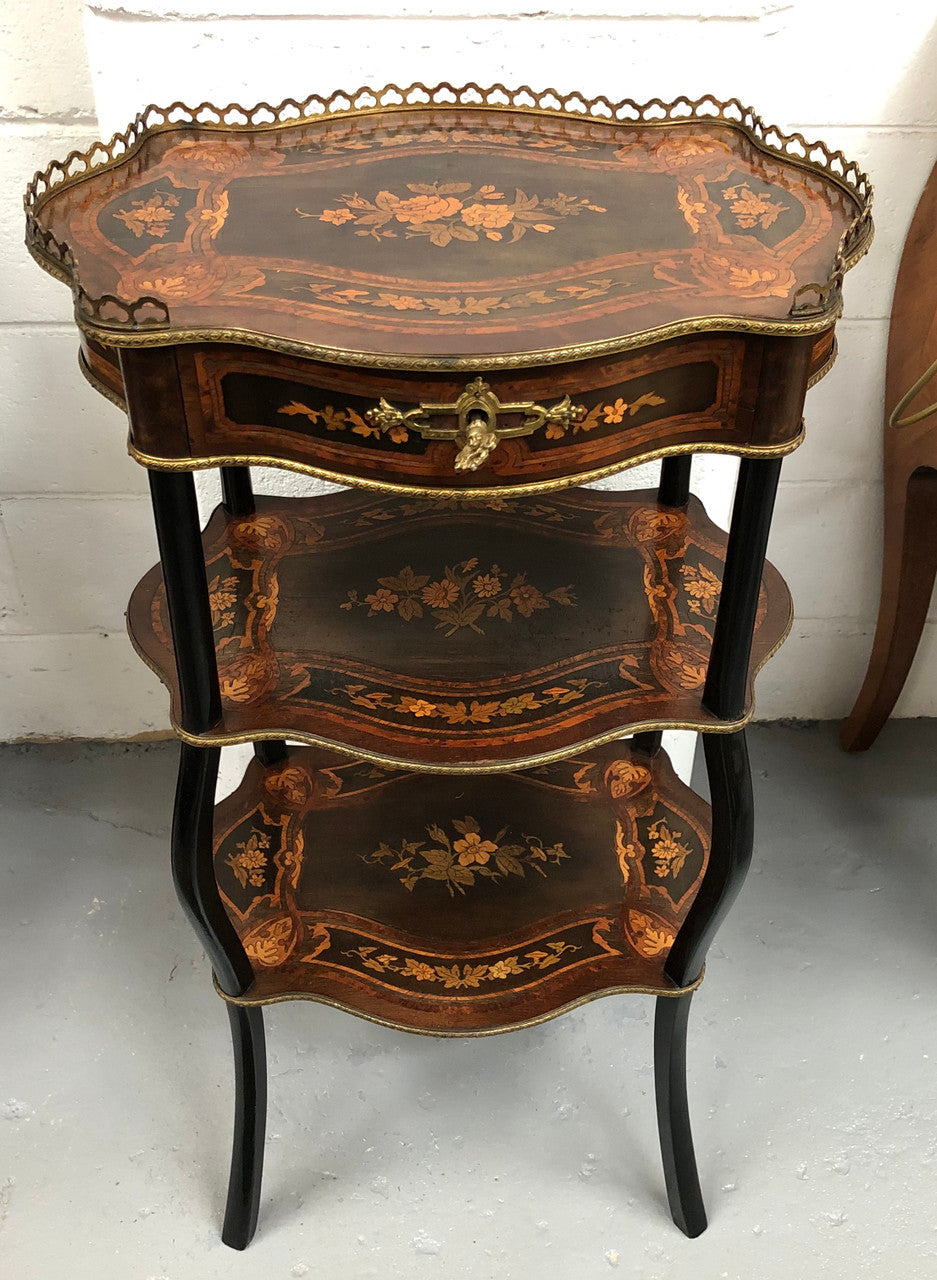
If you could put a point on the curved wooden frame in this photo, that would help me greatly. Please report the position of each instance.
(909, 443)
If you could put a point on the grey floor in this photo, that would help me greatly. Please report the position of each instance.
(812, 1065)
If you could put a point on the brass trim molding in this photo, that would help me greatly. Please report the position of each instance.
(806, 327)
(479, 494)
(508, 766)
(101, 387)
(896, 420)
(146, 322)
(248, 1003)
(825, 367)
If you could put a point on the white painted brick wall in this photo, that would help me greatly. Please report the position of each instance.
(75, 531)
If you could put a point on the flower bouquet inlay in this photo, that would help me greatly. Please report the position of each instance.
(456, 860)
(447, 211)
(463, 596)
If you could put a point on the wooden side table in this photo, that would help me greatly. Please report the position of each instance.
(464, 304)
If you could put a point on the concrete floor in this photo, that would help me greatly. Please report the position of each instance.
(812, 1065)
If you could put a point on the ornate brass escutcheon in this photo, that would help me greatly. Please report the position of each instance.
(476, 430)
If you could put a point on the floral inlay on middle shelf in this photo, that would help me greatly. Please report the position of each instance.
(447, 211)
(457, 861)
(460, 598)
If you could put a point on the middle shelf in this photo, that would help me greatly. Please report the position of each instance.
(460, 635)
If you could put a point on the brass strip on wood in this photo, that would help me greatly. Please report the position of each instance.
(247, 1002)
(509, 766)
(807, 326)
(480, 494)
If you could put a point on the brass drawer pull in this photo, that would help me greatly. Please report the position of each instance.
(477, 431)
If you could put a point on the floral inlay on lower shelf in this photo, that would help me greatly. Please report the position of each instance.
(571, 877)
(456, 862)
(667, 854)
(702, 587)
(447, 211)
(249, 864)
(454, 976)
(363, 681)
(460, 597)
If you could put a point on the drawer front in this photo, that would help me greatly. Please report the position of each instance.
(373, 427)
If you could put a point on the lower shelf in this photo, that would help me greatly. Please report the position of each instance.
(459, 905)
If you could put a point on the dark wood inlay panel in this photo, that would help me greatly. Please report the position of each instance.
(452, 633)
(459, 905)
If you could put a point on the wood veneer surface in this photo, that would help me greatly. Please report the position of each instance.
(459, 905)
(454, 633)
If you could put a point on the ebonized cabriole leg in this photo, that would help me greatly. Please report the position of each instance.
(179, 535)
(727, 678)
(250, 1116)
(180, 543)
(730, 855)
(238, 498)
(730, 788)
(237, 492)
(673, 1116)
(674, 487)
(193, 872)
(197, 888)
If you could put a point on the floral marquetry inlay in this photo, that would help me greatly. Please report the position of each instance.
(460, 631)
(522, 887)
(150, 217)
(250, 861)
(413, 229)
(751, 210)
(457, 860)
(447, 211)
(668, 853)
(462, 596)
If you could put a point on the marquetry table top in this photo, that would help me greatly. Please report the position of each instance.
(488, 225)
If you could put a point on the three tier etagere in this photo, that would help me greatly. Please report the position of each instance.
(463, 305)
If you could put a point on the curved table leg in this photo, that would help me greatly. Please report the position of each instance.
(250, 1116)
(909, 564)
(732, 835)
(271, 751)
(673, 1115)
(197, 888)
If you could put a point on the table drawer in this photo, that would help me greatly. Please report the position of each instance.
(367, 426)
